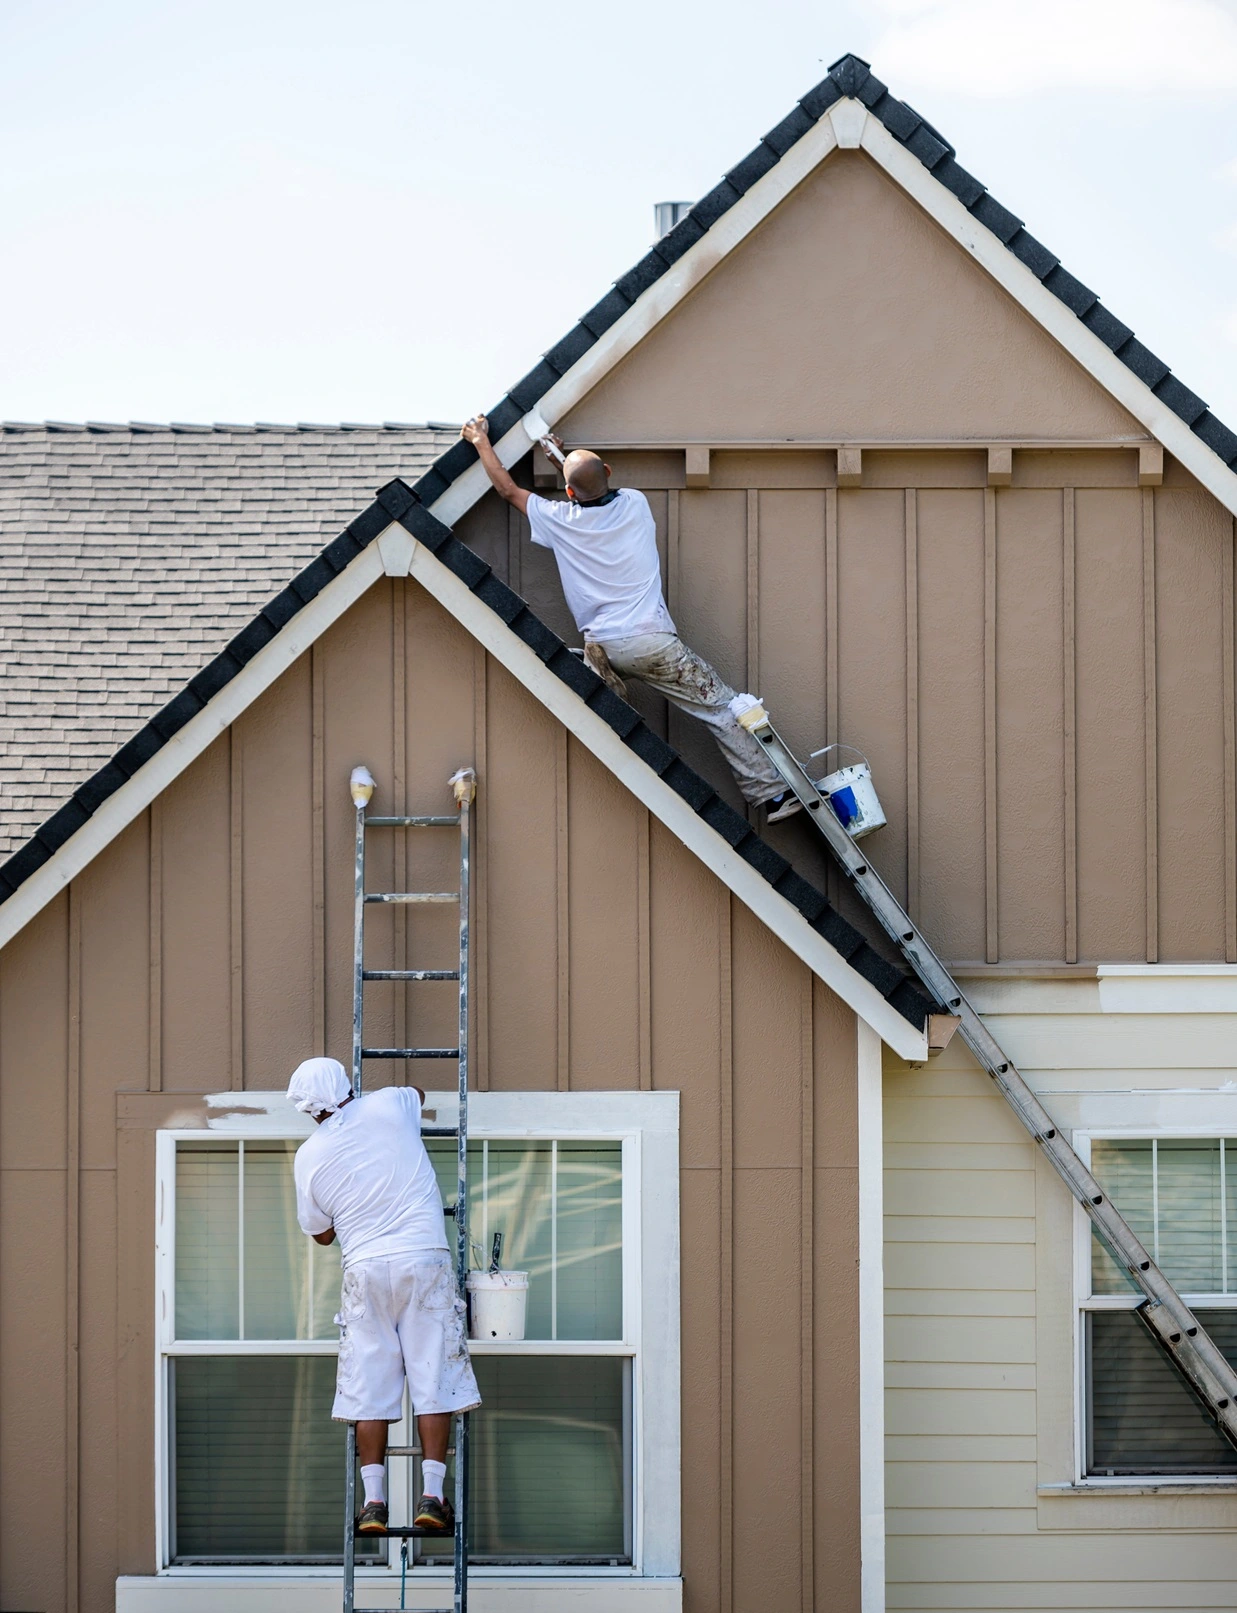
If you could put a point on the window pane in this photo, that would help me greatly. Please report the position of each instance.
(257, 1464)
(207, 1254)
(1169, 1191)
(551, 1461)
(560, 1211)
(1141, 1417)
(291, 1282)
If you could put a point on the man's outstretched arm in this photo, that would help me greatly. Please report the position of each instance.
(477, 432)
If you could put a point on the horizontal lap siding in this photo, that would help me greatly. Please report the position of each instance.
(209, 947)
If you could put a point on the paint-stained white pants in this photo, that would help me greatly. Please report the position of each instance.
(664, 663)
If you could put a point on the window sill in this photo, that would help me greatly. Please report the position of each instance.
(1196, 1486)
(318, 1591)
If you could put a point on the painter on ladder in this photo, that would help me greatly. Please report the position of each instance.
(605, 543)
(364, 1176)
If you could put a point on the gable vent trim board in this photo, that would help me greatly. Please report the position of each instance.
(648, 310)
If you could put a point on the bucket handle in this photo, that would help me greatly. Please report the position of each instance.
(840, 745)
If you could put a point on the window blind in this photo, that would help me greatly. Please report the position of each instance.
(549, 1451)
(1141, 1418)
(257, 1464)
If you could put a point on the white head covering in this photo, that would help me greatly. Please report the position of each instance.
(319, 1086)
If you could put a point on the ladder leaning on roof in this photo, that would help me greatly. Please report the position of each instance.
(1165, 1314)
(464, 786)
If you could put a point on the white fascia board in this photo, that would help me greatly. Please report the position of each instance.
(773, 910)
(870, 1114)
(1049, 312)
(175, 755)
(648, 310)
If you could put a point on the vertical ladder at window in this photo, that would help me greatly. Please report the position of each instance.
(1166, 1315)
(464, 788)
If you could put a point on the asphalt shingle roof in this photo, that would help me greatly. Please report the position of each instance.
(129, 555)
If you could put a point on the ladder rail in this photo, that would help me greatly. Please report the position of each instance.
(1186, 1342)
(464, 788)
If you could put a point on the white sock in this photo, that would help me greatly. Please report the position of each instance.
(374, 1479)
(432, 1476)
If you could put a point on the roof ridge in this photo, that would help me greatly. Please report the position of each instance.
(849, 77)
(397, 502)
(180, 427)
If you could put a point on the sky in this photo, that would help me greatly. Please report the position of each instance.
(385, 210)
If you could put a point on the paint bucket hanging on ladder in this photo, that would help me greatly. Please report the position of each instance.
(852, 794)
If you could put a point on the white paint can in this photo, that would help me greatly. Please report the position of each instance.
(497, 1303)
(852, 794)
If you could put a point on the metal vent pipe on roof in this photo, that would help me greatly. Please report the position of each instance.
(668, 214)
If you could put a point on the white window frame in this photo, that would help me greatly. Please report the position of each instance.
(1085, 1300)
(647, 1126)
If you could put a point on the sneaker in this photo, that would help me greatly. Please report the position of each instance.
(373, 1519)
(434, 1517)
(783, 806)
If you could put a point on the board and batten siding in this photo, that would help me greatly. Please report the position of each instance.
(209, 948)
(979, 1310)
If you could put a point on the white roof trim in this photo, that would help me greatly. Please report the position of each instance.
(848, 126)
(396, 553)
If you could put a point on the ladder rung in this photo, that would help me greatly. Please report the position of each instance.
(406, 1532)
(412, 896)
(412, 823)
(412, 1450)
(410, 974)
(410, 1052)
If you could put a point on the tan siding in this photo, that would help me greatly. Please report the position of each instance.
(611, 958)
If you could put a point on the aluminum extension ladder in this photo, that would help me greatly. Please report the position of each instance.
(1166, 1315)
(464, 786)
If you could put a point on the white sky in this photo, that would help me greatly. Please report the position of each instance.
(302, 210)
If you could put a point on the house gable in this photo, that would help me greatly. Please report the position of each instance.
(848, 315)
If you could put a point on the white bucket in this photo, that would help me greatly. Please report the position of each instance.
(852, 794)
(497, 1303)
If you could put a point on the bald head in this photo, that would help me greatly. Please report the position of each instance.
(586, 474)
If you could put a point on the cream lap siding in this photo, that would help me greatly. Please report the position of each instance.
(980, 1306)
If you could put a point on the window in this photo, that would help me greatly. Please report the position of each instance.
(1180, 1196)
(252, 1467)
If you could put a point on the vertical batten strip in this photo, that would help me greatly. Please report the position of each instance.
(912, 702)
(1150, 737)
(403, 1035)
(992, 944)
(563, 936)
(1070, 723)
(479, 963)
(1230, 759)
(644, 980)
(752, 674)
(725, 1319)
(154, 1022)
(832, 654)
(73, 1251)
(317, 852)
(236, 905)
(807, 1294)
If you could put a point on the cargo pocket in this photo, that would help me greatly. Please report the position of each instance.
(352, 1299)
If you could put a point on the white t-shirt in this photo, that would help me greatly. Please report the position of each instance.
(365, 1172)
(607, 561)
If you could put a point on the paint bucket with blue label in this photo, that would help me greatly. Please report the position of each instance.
(852, 794)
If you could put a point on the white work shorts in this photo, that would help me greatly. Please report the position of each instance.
(402, 1317)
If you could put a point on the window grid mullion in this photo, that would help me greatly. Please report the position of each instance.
(240, 1238)
(1223, 1226)
(554, 1238)
(1155, 1197)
